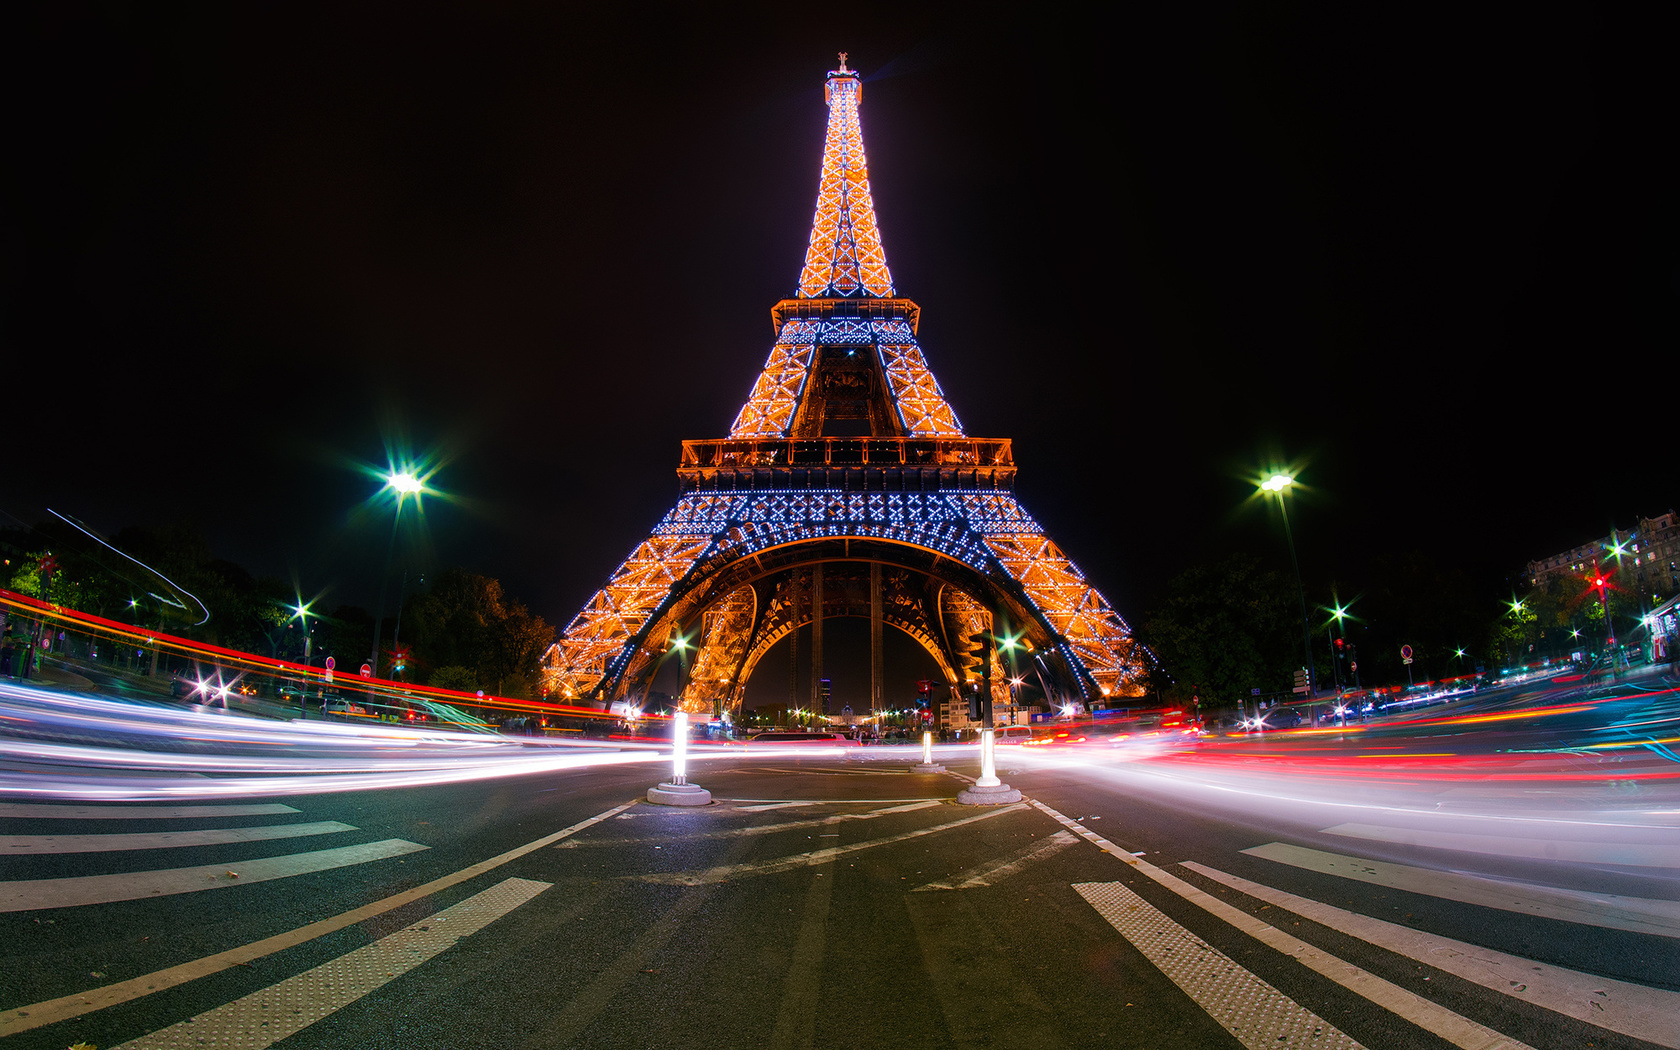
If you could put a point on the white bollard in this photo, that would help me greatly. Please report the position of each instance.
(928, 765)
(679, 748)
(988, 790)
(678, 791)
(988, 759)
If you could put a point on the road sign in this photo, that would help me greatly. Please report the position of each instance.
(1406, 654)
(367, 670)
(1301, 685)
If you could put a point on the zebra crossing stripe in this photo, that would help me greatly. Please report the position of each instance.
(52, 1011)
(35, 894)
(1454, 1028)
(19, 845)
(1606, 910)
(263, 1018)
(1538, 847)
(53, 811)
(1651, 1014)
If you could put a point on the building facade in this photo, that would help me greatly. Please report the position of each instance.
(1645, 559)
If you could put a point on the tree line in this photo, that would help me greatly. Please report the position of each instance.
(459, 630)
(1230, 628)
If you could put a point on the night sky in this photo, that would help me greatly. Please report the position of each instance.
(1428, 258)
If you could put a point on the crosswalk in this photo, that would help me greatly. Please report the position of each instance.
(1165, 916)
(1641, 1012)
(264, 1017)
(122, 885)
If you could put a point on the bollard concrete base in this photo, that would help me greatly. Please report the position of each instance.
(927, 767)
(679, 795)
(997, 795)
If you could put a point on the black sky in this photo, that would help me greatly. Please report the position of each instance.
(1429, 257)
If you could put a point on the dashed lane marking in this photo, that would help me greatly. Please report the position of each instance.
(263, 1018)
(1651, 1014)
(806, 860)
(1002, 867)
(762, 829)
(34, 894)
(18, 845)
(1606, 910)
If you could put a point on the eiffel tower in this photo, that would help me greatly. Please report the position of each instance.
(846, 487)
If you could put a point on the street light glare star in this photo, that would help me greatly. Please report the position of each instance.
(1277, 482)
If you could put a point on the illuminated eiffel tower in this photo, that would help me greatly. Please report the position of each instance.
(846, 487)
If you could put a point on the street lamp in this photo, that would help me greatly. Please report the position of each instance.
(1277, 484)
(302, 613)
(676, 643)
(404, 483)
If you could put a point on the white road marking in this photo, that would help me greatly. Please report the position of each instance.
(1607, 910)
(1000, 868)
(37, 810)
(772, 805)
(1630, 854)
(1244, 1005)
(1651, 1014)
(34, 894)
(263, 1018)
(764, 829)
(806, 860)
(51, 1011)
(1455, 1029)
(18, 845)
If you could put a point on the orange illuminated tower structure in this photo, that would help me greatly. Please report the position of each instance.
(846, 487)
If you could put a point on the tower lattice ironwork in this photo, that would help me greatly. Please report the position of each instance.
(846, 487)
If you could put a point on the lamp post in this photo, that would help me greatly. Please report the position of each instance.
(404, 484)
(677, 643)
(1276, 485)
(1338, 613)
(301, 613)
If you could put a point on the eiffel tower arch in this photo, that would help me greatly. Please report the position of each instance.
(846, 487)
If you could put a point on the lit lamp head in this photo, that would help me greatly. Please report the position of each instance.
(1277, 483)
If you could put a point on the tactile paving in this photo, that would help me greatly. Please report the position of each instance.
(1250, 1009)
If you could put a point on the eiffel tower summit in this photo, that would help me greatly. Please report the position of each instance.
(846, 487)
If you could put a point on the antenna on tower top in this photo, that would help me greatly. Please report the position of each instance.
(843, 68)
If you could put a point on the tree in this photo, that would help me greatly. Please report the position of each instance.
(457, 678)
(1226, 629)
(1413, 600)
(466, 621)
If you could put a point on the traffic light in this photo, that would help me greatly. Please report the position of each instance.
(982, 640)
(979, 703)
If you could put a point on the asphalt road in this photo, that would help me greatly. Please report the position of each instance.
(1226, 898)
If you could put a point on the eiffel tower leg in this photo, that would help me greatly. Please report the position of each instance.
(877, 673)
(793, 645)
(817, 697)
